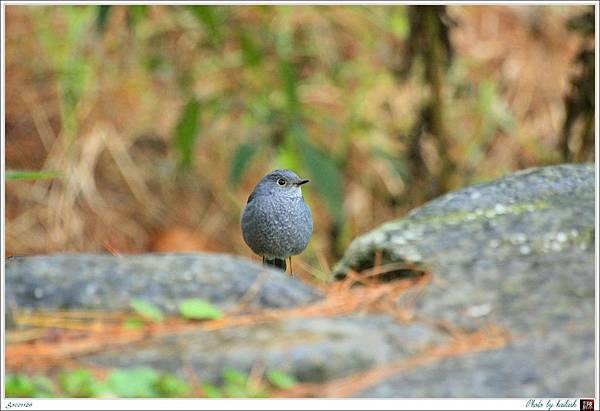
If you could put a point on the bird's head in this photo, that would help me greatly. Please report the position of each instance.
(282, 183)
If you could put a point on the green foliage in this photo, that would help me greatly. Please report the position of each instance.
(125, 383)
(210, 391)
(321, 167)
(325, 175)
(135, 14)
(186, 131)
(287, 72)
(146, 310)
(251, 51)
(198, 309)
(234, 377)
(330, 92)
(242, 156)
(398, 22)
(72, 66)
(494, 116)
(21, 386)
(281, 380)
(31, 175)
(171, 386)
(81, 383)
(134, 382)
(583, 23)
(140, 382)
(209, 16)
(580, 102)
(102, 13)
(495, 113)
(237, 385)
(133, 323)
(294, 150)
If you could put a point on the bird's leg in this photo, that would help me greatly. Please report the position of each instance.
(291, 272)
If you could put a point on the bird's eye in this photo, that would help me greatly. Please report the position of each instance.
(281, 182)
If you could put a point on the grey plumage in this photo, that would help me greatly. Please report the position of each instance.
(276, 222)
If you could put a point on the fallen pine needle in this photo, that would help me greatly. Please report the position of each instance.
(107, 333)
(484, 340)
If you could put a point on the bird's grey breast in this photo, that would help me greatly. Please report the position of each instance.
(276, 226)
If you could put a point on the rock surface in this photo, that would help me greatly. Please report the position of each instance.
(311, 349)
(105, 282)
(517, 252)
(526, 368)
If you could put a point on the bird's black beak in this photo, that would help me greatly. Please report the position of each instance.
(300, 182)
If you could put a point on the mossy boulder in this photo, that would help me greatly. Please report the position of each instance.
(518, 253)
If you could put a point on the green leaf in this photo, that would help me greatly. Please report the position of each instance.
(132, 323)
(322, 169)
(284, 47)
(281, 380)
(259, 392)
(31, 175)
(74, 78)
(79, 383)
(44, 387)
(289, 158)
(486, 94)
(171, 386)
(208, 16)
(234, 377)
(325, 176)
(186, 131)
(398, 22)
(102, 17)
(494, 113)
(235, 391)
(210, 391)
(242, 156)
(146, 310)
(21, 386)
(197, 309)
(250, 51)
(135, 14)
(134, 382)
(290, 86)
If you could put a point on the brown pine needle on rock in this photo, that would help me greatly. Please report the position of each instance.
(484, 340)
(104, 330)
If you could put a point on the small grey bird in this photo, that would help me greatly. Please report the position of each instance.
(276, 223)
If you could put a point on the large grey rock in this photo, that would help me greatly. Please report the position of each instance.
(311, 349)
(517, 252)
(82, 281)
(521, 369)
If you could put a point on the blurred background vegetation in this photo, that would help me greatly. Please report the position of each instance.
(155, 122)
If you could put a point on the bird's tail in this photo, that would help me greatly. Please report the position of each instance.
(275, 262)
